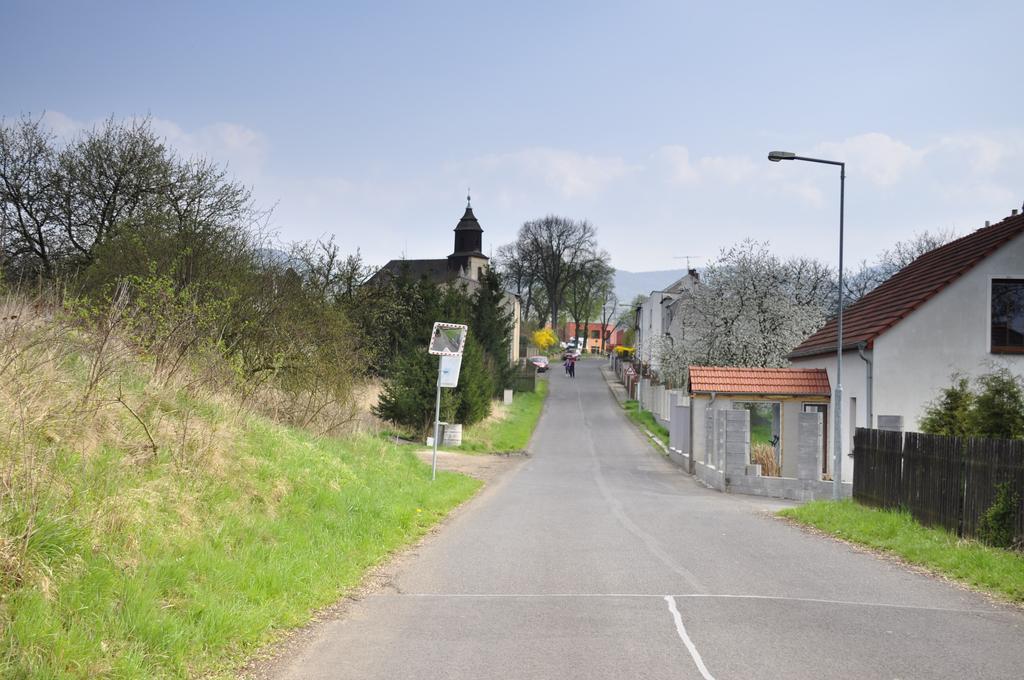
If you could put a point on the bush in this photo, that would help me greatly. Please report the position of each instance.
(995, 410)
(544, 338)
(947, 415)
(998, 409)
(998, 524)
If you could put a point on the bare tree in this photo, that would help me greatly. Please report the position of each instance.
(609, 303)
(29, 243)
(583, 295)
(109, 177)
(869, 276)
(554, 249)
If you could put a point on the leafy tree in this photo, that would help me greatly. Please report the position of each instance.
(408, 395)
(492, 323)
(476, 387)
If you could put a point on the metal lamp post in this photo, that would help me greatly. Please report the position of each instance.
(837, 459)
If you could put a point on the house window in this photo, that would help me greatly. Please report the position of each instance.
(1008, 316)
(595, 335)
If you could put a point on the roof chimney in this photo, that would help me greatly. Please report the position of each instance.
(1013, 213)
(987, 223)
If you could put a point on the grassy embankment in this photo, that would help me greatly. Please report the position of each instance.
(645, 419)
(150, 528)
(510, 427)
(993, 570)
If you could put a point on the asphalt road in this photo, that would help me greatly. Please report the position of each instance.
(599, 559)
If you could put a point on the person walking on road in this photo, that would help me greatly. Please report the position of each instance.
(572, 366)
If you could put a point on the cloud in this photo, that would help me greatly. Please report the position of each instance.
(676, 160)
(571, 173)
(680, 169)
(243, 149)
(62, 125)
(728, 169)
(883, 160)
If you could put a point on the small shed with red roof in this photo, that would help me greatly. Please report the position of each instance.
(958, 309)
(774, 397)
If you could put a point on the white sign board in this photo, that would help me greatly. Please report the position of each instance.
(448, 339)
(448, 376)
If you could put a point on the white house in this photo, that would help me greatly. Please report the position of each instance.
(657, 319)
(958, 309)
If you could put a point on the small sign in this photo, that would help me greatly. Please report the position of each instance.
(448, 339)
(448, 376)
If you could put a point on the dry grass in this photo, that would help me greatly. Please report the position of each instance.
(764, 455)
(151, 517)
(69, 391)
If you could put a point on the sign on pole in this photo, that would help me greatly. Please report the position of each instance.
(447, 341)
(449, 374)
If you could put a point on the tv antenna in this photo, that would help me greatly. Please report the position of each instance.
(687, 258)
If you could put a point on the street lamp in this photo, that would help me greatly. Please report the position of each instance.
(837, 460)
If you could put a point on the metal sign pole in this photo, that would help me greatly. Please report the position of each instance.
(447, 340)
(437, 423)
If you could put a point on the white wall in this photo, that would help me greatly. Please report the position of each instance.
(949, 333)
(854, 387)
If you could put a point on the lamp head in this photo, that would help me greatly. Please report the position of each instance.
(777, 156)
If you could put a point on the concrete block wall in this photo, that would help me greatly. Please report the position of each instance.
(737, 441)
(809, 447)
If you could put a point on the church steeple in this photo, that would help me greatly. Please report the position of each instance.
(468, 258)
(468, 234)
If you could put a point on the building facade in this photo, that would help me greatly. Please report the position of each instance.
(957, 310)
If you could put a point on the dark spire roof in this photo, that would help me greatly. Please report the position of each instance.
(468, 221)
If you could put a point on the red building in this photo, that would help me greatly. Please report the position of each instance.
(612, 335)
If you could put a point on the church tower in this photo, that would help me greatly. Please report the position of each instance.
(468, 255)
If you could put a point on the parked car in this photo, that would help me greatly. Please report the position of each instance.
(540, 362)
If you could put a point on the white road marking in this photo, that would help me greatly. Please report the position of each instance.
(690, 647)
(709, 596)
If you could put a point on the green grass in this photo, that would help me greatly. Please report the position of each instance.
(645, 419)
(158, 571)
(996, 571)
(513, 431)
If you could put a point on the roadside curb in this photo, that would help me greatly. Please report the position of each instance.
(617, 389)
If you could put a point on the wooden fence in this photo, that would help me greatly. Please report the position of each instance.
(525, 378)
(943, 481)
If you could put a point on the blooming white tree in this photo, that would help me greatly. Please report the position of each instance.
(751, 309)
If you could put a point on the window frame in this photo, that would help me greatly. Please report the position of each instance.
(992, 347)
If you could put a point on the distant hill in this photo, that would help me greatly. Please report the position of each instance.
(630, 284)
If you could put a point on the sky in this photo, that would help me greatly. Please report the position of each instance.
(653, 120)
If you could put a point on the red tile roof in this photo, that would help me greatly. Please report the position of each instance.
(909, 288)
(794, 381)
